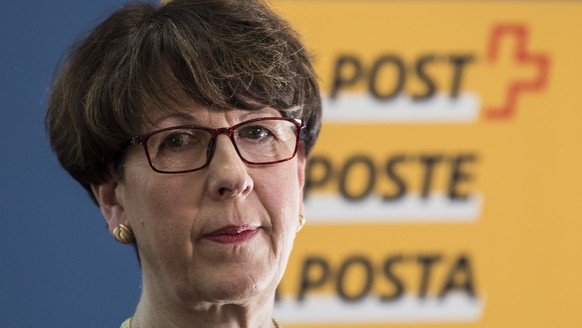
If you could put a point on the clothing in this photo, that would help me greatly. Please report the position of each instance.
(126, 324)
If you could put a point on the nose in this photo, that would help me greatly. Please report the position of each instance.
(227, 174)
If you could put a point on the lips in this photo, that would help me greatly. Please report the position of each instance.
(232, 234)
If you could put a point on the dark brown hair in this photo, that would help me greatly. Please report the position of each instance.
(222, 54)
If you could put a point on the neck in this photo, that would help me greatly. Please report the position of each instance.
(153, 313)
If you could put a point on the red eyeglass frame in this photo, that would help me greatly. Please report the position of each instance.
(229, 131)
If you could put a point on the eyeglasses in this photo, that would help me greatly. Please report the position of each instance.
(187, 148)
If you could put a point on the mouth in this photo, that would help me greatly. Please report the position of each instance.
(232, 234)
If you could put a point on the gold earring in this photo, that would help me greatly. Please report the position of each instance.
(123, 234)
(301, 222)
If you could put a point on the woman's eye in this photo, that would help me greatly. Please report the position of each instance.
(179, 141)
(255, 132)
(174, 140)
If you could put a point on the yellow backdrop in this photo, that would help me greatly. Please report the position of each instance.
(444, 190)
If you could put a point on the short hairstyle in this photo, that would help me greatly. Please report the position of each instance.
(222, 54)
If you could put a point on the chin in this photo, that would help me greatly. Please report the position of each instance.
(234, 286)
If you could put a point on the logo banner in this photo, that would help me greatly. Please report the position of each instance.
(445, 186)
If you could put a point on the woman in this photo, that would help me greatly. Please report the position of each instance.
(189, 124)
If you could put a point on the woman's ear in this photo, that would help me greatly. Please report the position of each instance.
(301, 163)
(111, 207)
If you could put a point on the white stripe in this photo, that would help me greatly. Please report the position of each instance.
(333, 209)
(407, 309)
(441, 108)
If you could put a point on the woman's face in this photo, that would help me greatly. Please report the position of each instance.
(219, 234)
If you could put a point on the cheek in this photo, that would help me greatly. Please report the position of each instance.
(161, 211)
(280, 194)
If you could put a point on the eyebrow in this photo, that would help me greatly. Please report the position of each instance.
(259, 112)
(247, 114)
(177, 115)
